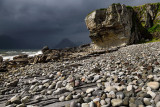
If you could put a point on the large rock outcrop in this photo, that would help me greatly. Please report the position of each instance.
(149, 17)
(120, 25)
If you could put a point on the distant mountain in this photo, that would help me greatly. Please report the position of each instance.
(65, 43)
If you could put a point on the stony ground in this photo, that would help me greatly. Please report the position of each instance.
(128, 77)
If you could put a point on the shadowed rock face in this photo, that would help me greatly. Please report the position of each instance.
(112, 27)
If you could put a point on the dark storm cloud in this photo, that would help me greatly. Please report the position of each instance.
(48, 21)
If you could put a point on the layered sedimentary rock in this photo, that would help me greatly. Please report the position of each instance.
(120, 25)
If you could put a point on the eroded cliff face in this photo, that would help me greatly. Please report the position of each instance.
(120, 25)
(149, 17)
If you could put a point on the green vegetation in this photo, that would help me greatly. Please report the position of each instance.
(116, 4)
(155, 28)
(129, 7)
(153, 40)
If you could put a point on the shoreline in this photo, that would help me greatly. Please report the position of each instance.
(124, 77)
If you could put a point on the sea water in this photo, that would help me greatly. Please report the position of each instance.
(9, 54)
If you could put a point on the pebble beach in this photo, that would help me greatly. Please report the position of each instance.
(128, 77)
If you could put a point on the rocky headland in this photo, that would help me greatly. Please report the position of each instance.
(105, 73)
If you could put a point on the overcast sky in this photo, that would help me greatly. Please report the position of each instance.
(46, 22)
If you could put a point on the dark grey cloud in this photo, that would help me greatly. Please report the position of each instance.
(46, 22)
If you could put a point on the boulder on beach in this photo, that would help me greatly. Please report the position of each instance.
(21, 58)
(46, 50)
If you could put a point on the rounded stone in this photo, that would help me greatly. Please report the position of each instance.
(59, 84)
(15, 99)
(73, 104)
(62, 98)
(153, 85)
(102, 102)
(147, 101)
(87, 99)
(116, 102)
(120, 95)
(69, 97)
(158, 104)
(21, 105)
(92, 104)
(25, 99)
(85, 105)
(126, 101)
(89, 90)
(129, 88)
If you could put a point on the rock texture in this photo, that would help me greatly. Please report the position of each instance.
(149, 17)
(112, 27)
(128, 77)
(120, 25)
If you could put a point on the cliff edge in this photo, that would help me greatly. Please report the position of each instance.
(120, 25)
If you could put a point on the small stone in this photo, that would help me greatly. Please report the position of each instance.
(138, 102)
(97, 104)
(59, 91)
(116, 102)
(120, 95)
(73, 104)
(49, 92)
(87, 99)
(157, 98)
(69, 97)
(62, 98)
(92, 104)
(15, 99)
(21, 105)
(69, 87)
(150, 76)
(77, 83)
(25, 99)
(132, 100)
(111, 94)
(151, 94)
(153, 85)
(52, 85)
(102, 102)
(129, 88)
(108, 102)
(158, 104)
(109, 88)
(96, 99)
(77, 96)
(59, 84)
(126, 101)
(38, 97)
(80, 100)
(132, 105)
(146, 101)
(85, 105)
(89, 90)
(103, 96)
(96, 77)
